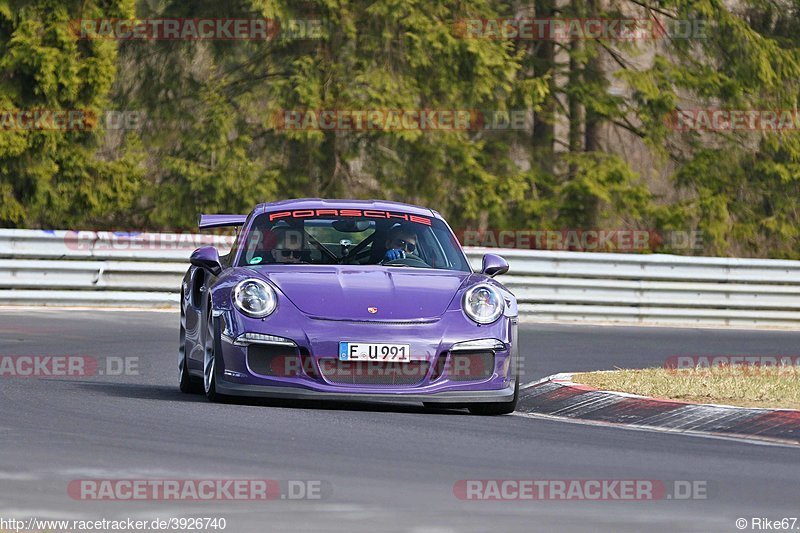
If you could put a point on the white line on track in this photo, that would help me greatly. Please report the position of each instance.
(634, 427)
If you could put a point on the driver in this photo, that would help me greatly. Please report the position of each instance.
(289, 248)
(401, 241)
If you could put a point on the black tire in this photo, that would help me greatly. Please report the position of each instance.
(187, 383)
(210, 363)
(496, 408)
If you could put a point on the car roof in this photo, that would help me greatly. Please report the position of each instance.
(322, 203)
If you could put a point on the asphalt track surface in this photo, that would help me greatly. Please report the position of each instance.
(385, 467)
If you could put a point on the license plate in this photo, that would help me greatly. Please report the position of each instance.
(371, 351)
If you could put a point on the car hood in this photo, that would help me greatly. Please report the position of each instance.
(351, 293)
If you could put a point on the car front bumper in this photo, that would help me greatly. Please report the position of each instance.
(432, 349)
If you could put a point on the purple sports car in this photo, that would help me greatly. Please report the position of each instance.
(348, 300)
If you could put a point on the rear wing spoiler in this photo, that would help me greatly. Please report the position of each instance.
(221, 221)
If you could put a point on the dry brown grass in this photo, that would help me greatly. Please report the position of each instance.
(775, 387)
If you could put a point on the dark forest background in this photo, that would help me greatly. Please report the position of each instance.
(599, 151)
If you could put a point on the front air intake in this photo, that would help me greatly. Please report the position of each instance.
(373, 372)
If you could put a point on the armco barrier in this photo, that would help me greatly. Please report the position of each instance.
(62, 268)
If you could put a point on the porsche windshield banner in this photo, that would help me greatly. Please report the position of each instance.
(365, 213)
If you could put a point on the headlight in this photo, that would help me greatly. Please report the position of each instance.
(255, 298)
(483, 303)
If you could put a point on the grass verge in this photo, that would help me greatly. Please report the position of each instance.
(770, 387)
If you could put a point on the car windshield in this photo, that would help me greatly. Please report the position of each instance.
(401, 240)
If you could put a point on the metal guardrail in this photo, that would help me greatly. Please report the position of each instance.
(63, 268)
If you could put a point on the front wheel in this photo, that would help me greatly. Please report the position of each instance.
(496, 408)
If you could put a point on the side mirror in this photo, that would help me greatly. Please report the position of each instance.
(494, 265)
(207, 258)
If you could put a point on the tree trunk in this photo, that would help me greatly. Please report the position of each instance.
(543, 125)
